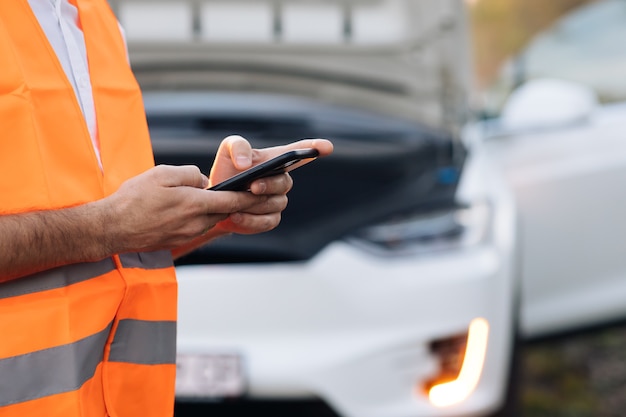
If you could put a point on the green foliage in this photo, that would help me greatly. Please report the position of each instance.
(580, 375)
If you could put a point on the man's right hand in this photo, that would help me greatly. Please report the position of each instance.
(166, 207)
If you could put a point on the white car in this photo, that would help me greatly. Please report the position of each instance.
(561, 145)
(404, 269)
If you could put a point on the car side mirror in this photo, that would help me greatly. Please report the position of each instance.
(548, 103)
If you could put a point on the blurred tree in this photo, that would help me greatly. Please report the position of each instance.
(500, 28)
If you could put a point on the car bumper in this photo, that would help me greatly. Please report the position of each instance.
(354, 329)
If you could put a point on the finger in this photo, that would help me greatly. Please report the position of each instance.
(220, 202)
(276, 184)
(273, 204)
(323, 146)
(246, 223)
(239, 151)
(177, 176)
(198, 226)
(210, 222)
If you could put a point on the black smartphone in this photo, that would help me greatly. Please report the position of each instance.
(277, 165)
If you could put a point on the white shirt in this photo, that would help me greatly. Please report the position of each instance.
(59, 21)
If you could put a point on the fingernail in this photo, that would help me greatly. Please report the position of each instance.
(243, 161)
(235, 218)
(205, 181)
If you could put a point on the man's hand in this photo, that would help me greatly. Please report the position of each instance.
(168, 206)
(235, 155)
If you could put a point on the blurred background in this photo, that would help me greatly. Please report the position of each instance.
(576, 40)
(581, 374)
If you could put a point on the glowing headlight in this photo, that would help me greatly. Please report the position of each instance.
(448, 393)
(450, 228)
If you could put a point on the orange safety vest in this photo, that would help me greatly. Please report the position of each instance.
(90, 339)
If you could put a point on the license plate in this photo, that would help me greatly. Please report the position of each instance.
(209, 376)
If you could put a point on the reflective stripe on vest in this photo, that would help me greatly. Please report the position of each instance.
(56, 278)
(55, 357)
(72, 274)
(144, 342)
(51, 371)
(147, 260)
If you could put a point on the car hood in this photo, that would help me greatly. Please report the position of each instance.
(420, 71)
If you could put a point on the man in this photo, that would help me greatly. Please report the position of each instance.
(88, 226)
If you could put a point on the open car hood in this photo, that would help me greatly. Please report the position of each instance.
(403, 57)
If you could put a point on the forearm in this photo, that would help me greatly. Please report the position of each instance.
(165, 207)
(36, 241)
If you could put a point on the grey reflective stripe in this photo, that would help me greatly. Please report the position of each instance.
(56, 278)
(147, 260)
(50, 371)
(144, 342)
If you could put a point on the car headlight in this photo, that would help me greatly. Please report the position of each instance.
(461, 365)
(443, 229)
